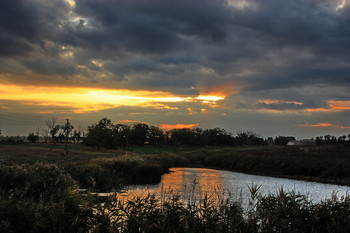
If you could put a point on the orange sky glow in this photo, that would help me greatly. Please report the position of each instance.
(167, 127)
(84, 100)
(326, 124)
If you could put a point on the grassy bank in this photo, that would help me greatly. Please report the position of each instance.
(106, 170)
(99, 171)
(323, 164)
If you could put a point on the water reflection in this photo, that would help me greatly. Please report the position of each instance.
(195, 183)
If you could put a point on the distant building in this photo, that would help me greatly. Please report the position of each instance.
(303, 142)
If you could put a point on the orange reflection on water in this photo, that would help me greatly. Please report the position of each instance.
(189, 184)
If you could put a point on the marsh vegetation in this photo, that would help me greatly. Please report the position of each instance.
(43, 196)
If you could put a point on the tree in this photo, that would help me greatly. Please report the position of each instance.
(217, 136)
(179, 137)
(122, 134)
(156, 136)
(33, 138)
(67, 130)
(46, 134)
(249, 138)
(283, 140)
(52, 128)
(56, 133)
(101, 135)
(139, 134)
(77, 136)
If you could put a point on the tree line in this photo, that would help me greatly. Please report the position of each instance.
(329, 139)
(105, 134)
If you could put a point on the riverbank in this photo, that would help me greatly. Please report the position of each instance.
(321, 164)
(106, 170)
(38, 191)
(44, 198)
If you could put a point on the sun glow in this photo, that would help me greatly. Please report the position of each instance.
(210, 98)
(341, 5)
(81, 100)
(167, 127)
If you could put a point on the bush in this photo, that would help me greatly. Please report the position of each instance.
(95, 176)
(45, 182)
(41, 198)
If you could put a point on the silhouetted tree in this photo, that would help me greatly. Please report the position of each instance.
(101, 135)
(77, 136)
(139, 134)
(250, 138)
(156, 136)
(33, 138)
(179, 137)
(52, 128)
(319, 140)
(283, 140)
(218, 136)
(122, 134)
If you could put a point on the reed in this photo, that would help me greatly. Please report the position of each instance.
(44, 198)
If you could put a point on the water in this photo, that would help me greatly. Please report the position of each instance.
(195, 183)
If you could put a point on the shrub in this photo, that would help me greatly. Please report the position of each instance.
(41, 198)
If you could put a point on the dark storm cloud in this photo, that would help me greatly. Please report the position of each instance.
(40, 66)
(153, 26)
(163, 44)
(24, 23)
(281, 106)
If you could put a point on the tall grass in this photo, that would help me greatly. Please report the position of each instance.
(280, 212)
(41, 198)
(44, 198)
(108, 174)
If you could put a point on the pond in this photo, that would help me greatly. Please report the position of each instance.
(195, 183)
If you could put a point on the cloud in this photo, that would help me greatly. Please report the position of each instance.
(293, 52)
(326, 124)
(167, 127)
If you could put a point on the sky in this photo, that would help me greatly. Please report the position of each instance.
(270, 66)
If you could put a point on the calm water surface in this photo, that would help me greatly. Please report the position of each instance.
(192, 183)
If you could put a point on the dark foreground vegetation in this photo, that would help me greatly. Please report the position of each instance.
(44, 198)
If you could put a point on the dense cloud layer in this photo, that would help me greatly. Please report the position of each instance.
(294, 52)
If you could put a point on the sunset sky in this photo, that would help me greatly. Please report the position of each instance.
(276, 67)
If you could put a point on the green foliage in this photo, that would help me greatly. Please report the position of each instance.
(36, 182)
(101, 135)
(40, 198)
(281, 212)
(284, 212)
(149, 214)
(95, 176)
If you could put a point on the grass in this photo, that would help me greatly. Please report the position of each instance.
(324, 164)
(42, 196)
(31, 153)
(328, 164)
